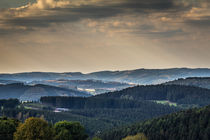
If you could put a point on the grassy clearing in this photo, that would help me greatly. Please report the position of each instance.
(165, 102)
(36, 106)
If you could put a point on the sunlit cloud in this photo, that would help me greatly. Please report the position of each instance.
(121, 28)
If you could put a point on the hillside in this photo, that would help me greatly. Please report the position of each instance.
(132, 104)
(193, 124)
(115, 109)
(139, 76)
(96, 119)
(181, 95)
(33, 93)
(203, 82)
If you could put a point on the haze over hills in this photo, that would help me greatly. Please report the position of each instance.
(101, 112)
(91, 86)
(139, 76)
(83, 83)
(103, 81)
(33, 93)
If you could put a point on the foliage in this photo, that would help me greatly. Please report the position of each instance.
(9, 103)
(94, 120)
(34, 129)
(96, 138)
(192, 124)
(69, 131)
(139, 136)
(7, 128)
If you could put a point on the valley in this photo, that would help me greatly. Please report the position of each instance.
(118, 105)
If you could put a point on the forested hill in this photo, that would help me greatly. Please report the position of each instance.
(193, 124)
(203, 82)
(98, 103)
(33, 93)
(173, 93)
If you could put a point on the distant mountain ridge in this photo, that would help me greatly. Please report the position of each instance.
(138, 76)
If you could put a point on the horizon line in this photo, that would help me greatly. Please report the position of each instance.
(63, 72)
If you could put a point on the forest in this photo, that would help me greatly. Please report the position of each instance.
(95, 120)
(175, 93)
(113, 110)
(136, 96)
(191, 124)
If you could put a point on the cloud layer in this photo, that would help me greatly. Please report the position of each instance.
(44, 13)
(123, 27)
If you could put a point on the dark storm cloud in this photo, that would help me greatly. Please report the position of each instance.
(70, 35)
(139, 5)
(100, 10)
(14, 3)
(61, 15)
(159, 34)
(73, 14)
(204, 22)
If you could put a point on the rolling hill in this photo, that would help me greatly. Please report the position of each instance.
(115, 109)
(203, 82)
(33, 93)
(181, 95)
(133, 104)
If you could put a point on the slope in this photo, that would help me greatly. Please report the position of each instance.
(192, 124)
(203, 82)
(33, 93)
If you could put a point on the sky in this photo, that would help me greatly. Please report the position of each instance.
(94, 35)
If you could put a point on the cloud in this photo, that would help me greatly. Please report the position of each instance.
(49, 4)
(173, 14)
(203, 22)
(73, 34)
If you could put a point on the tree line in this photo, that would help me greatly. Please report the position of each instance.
(9, 103)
